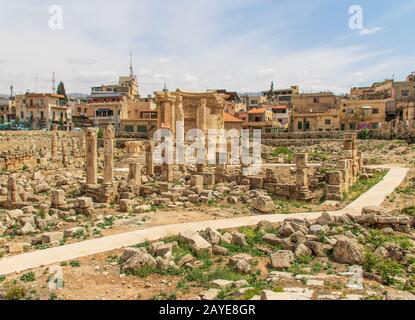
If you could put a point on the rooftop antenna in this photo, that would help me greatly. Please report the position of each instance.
(165, 87)
(11, 91)
(53, 83)
(131, 65)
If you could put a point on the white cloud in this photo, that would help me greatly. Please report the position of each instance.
(81, 61)
(265, 73)
(204, 49)
(370, 31)
(161, 60)
(190, 78)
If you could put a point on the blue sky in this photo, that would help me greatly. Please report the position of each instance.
(205, 44)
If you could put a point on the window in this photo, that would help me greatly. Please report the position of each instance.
(104, 113)
(316, 100)
(300, 125)
(129, 128)
(405, 93)
(142, 129)
(327, 122)
(342, 126)
(352, 126)
(349, 111)
(376, 110)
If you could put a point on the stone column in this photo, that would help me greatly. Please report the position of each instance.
(74, 146)
(134, 174)
(91, 156)
(54, 142)
(64, 154)
(343, 166)
(221, 161)
(360, 157)
(109, 136)
(12, 191)
(244, 170)
(149, 160)
(301, 178)
(201, 115)
(350, 153)
(167, 172)
(334, 189)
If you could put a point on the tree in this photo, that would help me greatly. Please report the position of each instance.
(61, 91)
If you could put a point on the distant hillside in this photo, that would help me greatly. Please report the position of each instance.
(4, 95)
(77, 95)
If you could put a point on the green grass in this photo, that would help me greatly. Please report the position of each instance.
(386, 268)
(318, 156)
(363, 185)
(286, 205)
(285, 152)
(165, 296)
(75, 264)
(2, 278)
(108, 221)
(409, 191)
(28, 277)
(377, 238)
(409, 211)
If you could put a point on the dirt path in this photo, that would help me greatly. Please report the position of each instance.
(374, 197)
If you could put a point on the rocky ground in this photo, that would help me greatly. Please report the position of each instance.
(367, 257)
(311, 271)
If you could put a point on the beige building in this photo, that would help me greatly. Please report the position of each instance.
(109, 104)
(253, 100)
(41, 110)
(280, 97)
(363, 114)
(141, 117)
(259, 118)
(315, 112)
(4, 109)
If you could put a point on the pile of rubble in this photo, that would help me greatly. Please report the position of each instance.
(345, 243)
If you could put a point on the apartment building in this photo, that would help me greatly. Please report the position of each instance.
(315, 112)
(357, 114)
(42, 110)
(253, 100)
(4, 109)
(281, 97)
(141, 117)
(109, 104)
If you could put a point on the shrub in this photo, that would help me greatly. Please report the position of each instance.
(363, 134)
(14, 291)
(28, 277)
(75, 264)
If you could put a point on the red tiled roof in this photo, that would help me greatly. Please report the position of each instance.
(279, 107)
(259, 110)
(230, 118)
